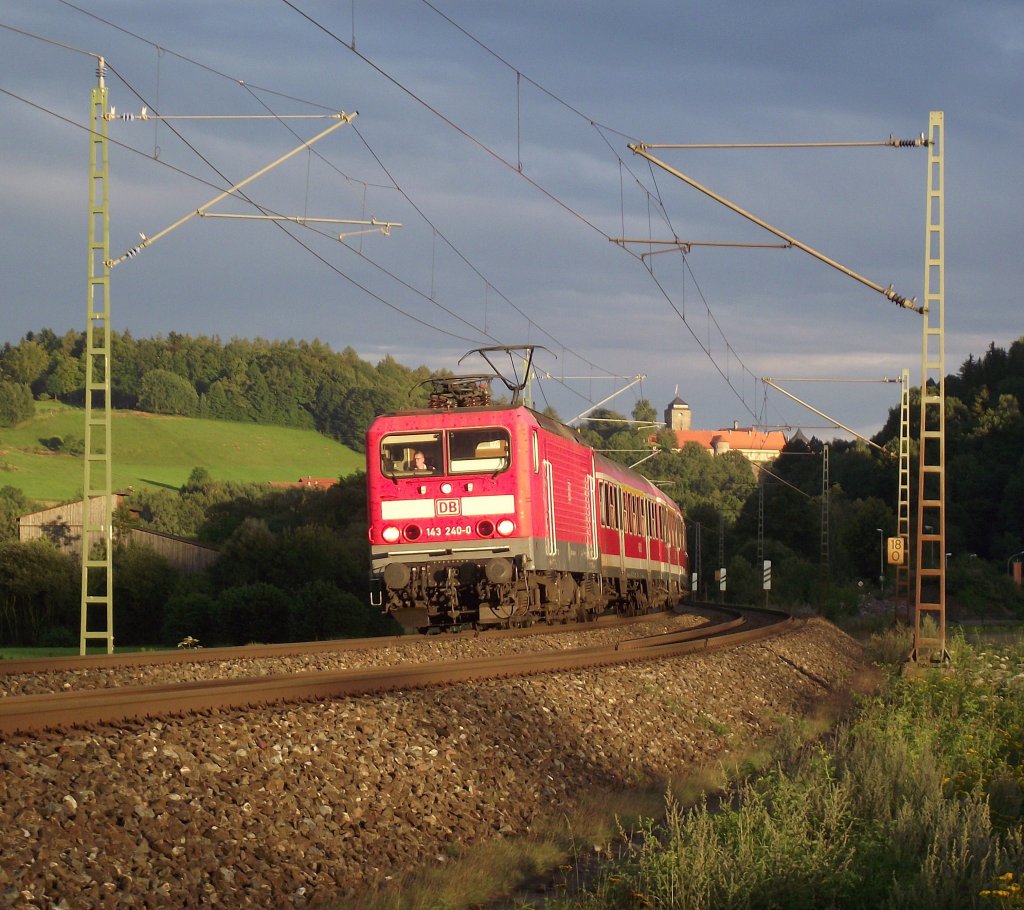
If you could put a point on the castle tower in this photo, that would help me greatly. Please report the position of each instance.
(677, 415)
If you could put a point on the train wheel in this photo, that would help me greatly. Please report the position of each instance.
(634, 602)
(522, 616)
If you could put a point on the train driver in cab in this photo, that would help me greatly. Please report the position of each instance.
(420, 465)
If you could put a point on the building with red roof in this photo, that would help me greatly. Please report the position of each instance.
(757, 446)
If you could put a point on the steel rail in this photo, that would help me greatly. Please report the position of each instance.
(287, 649)
(699, 632)
(29, 714)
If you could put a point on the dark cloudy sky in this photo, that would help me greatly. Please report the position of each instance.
(496, 133)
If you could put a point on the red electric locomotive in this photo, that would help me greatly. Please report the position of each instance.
(493, 514)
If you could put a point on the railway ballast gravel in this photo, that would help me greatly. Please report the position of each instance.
(293, 806)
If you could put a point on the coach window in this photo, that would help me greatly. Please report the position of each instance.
(610, 511)
(478, 450)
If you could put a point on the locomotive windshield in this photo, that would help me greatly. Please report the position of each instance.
(410, 453)
(465, 451)
(477, 450)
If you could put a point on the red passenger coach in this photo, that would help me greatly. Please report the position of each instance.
(497, 515)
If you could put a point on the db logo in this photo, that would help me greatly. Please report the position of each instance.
(447, 506)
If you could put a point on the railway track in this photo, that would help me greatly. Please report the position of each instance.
(200, 655)
(28, 714)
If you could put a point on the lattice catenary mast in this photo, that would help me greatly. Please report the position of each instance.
(97, 529)
(930, 612)
(930, 599)
(97, 596)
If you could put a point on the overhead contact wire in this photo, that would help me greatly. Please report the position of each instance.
(496, 156)
(253, 87)
(599, 129)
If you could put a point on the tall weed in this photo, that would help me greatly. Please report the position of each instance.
(917, 803)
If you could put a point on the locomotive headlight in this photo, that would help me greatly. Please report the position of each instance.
(506, 526)
(390, 534)
(446, 488)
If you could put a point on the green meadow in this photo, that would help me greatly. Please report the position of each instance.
(155, 451)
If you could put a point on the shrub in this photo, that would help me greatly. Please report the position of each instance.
(253, 613)
(191, 612)
(980, 589)
(70, 444)
(322, 611)
(143, 581)
(39, 590)
(58, 637)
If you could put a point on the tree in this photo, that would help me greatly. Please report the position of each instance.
(224, 400)
(247, 557)
(163, 392)
(743, 581)
(312, 553)
(66, 376)
(125, 370)
(25, 362)
(351, 413)
(197, 479)
(16, 403)
(13, 504)
(644, 411)
(857, 549)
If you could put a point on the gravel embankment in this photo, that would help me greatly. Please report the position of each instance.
(303, 804)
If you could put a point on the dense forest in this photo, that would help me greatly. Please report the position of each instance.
(723, 499)
(287, 383)
(293, 563)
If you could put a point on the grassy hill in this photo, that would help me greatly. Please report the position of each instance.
(156, 451)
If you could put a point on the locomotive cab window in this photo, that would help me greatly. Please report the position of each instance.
(411, 454)
(478, 449)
